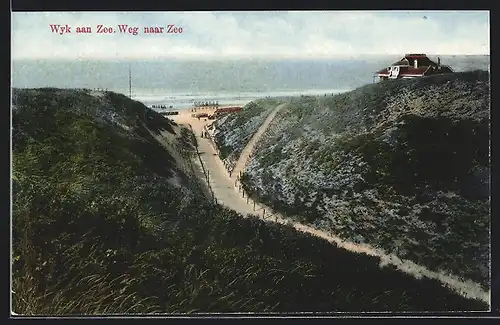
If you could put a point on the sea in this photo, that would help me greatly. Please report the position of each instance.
(185, 100)
(179, 84)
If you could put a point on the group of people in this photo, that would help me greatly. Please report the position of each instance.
(160, 106)
(212, 103)
(201, 108)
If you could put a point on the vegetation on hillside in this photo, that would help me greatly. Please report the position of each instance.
(106, 220)
(235, 130)
(402, 165)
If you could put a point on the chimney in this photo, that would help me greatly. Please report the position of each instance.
(415, 63)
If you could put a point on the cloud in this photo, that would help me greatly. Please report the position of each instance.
(211, 35)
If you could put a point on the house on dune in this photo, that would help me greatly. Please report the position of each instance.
(413, 66)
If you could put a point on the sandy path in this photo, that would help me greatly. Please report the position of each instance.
(247, 151)
(221, 184)
(227, 192)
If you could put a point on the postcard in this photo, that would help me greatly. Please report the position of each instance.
(250, 162)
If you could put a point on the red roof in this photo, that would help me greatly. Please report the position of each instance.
(383, 72)
(404, 71)
(412, 70)
(415, 56)
(424, 65)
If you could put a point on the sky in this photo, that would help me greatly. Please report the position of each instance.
(247, 35)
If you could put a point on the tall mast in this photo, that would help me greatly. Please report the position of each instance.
(129, 81)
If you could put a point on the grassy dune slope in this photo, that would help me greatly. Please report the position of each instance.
(402, 165)
(235, 130)
(105, 220)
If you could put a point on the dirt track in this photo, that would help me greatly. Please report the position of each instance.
(247, 151)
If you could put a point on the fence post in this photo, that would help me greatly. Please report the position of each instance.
(263, 213)
(254, 205)
(247, 198)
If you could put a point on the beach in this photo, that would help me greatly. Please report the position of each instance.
(185, 117)
(177, 101)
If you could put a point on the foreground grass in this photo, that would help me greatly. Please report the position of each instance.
(100, 228)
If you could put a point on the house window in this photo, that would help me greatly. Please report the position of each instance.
(394, 72)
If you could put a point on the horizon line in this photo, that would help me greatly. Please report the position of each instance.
(233, 58)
